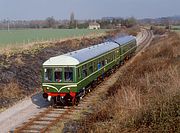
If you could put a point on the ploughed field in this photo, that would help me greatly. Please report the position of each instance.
(26, 36)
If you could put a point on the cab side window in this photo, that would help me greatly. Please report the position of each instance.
(48, 74)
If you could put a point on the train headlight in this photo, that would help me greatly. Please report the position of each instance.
(47, 88)
(68, 89)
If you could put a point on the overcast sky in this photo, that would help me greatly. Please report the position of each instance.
(87, 9)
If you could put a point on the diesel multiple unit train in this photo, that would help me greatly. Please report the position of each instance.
(66, 78)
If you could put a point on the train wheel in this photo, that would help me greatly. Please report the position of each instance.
(68, 99)
(73, 101)
(77, 101)
(94, 84)
(54, 101)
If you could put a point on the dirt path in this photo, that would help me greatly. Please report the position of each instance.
(22, 111)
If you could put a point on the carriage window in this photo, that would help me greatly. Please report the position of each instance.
(90, 69)
(103, 63)
(94, 66)
(48, 74)
(111, 57)
(58, 74)
(84, 71)
(106, 61)
(99, 65)
(68, 74)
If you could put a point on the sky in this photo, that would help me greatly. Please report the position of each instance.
(87, 9)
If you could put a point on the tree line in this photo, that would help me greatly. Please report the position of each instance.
(51, 22)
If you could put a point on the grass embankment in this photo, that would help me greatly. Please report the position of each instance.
(146, 97)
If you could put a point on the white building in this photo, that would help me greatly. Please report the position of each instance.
(94, 25)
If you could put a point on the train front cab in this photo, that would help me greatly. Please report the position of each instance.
(59, 84)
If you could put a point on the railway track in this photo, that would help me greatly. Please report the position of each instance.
(44, 120)
(50, 116)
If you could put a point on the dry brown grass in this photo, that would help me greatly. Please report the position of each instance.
(179, 33)
(18, 60)
(146, 98)
(12, 92)
(158, 30)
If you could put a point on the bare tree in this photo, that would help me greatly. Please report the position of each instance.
(50, 22)
(73, 22)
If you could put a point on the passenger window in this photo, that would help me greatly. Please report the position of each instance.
(109, 59)
(91, 69)
(58, 74)
(106, 61)
(84, 71)
(48, 74)
(68, 74)
(99, 65)
(94, 65)
(103, 63)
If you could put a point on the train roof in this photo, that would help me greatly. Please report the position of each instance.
(82, 55)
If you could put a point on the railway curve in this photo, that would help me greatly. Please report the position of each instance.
(43, 120)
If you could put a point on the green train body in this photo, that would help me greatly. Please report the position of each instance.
(66, 79)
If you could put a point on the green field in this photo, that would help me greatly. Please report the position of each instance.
(176, 27)
(25, 36)
(172, 27)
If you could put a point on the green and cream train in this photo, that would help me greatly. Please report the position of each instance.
(66, 78)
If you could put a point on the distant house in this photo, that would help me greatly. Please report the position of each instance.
(94, 25)
(118, 26)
